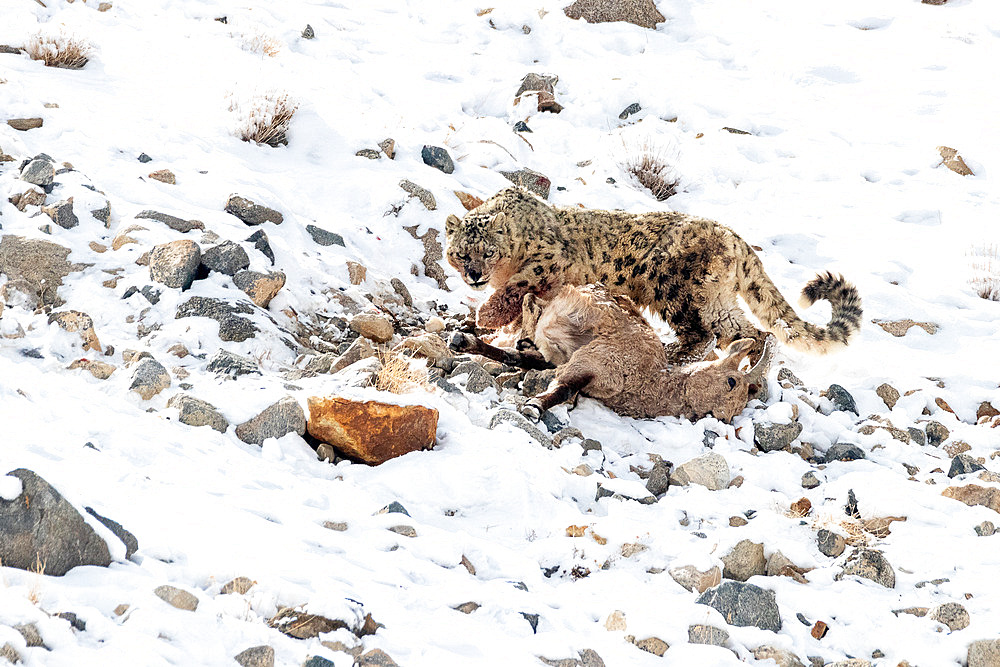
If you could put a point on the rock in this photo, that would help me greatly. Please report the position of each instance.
(232, 365)
(707, 634)
(25, 124)
(973, 495)
(774, 437)
(659, 478)
(39, 171)
(388, 147)
(317, 661)
(737, 521)
(375, 658)
(693, 579)
(260, 287)
(615, 622)
(323, 237)
(830, 543)
(779, 565)
(841, 399)
(809, 480)
(843, 451)
(468, 201)
(62, 214)
(373, 326)
(164, 176)
(437, 157)
(260, 242)
(781, 657)
(888, 394)
(372, 431)
(870, 564)
(631, 109)
(175, 223)
(963, 464)
(103, 214)
(535, 382)
(232, 327)
(196, 412)
(74, 321)
(949, 156)
(530, 180)
(227, 258)
(332, 363)
(521, 126)
(399, 288)
(433, 254)
(238, 585)
(251, 213)
(404, 530)
(256, 656)
(35, 268)
(744, 605)
(985, 529)
(300, 624)
(936, 433)
(356, 273)
(479, 380)
(149, 378)
(369, 153)
(984, 653)
(175, 264)
(275, 421)
(423, 194)
(917, 436)
(640, 12)
(41, 527)
(653, 645)
(745, 560)
(588, 658)
(176, 597)
(467, 607)
(126, 536)
(898, 328)
(851, 507)
(542, 88)
(951, 614)
(99, 369)
(30, 197)
(852, 662)
(503, 416)
(710, 470)
(32, 637)
(986, 411)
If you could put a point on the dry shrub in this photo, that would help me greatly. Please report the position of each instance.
(984, 260)
(256, 41)
(650, 167)
(264, 119)
(62, 50)
(398, 374)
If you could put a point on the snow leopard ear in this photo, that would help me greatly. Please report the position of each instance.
(498, 220)
(451, 225)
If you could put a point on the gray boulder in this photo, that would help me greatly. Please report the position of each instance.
(775, 437)
(277, 420)
(323, 237)
(149, 378)
(172, 221)
(226, 258)
(39, 171)
(870, 564)
(251, 213)
(175, 264)
(35, 268)
(196, 412)
(127, 538)
(232, 327)
(743, 605)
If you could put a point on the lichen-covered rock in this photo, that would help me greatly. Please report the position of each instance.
(707, 634)
(251, 213)
(196, 412)
(372, 431)
(232, 327)
(775, 437)
(639, 12)
(256, 656)
(744, 605)
(780, 656)
(126, 536)
(260, 287)
(172, 221)
(870, 564)
(177, 597)
(745, 560)
(694, 579)
(984, 653)
(421, 193)
(830, 543)
(973, 494)
(952, 614)
(437, 157)
(35, 268)
(710, 470)
(149, 378)
(74, 321)
(373, 326)
(39, 171)
(530, 180)
(323, 237)
(175, 264)
(227, 258)
(275, 421)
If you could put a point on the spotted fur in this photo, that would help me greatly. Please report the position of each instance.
(686, 269)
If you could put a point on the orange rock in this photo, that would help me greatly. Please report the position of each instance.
(371, 431)
(468, 201)
(972, 495)
(801, 507)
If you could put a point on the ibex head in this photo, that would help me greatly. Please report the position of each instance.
(719, 388)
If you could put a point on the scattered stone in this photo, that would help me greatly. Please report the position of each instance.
(74, 321)
(737, 521)
(373, 326)
(467, 607)
(468, 201)
(963, 464)
(985, 529)
(251, 213)
(232, 327)
(659, 478)
(300, 624)
(745, 560)
(35, 268)
(691, 578)
(30, 197)
(308, 32)
(62, 214)
(275, 421)
(175, 264)
(898, 328)
(164, 176)
(707, 634)
(423, 194)
(851, 662)
(39, 171)
(830, 543)
(951, 614)
(710, 470)
(238, 585)
(973, 494)
(25, 124)
(196, 412)
(870, 564)
(851, 507)
(176, 597)
(32, 637)
(631, 109)
(521, 126)
(917, 436)
(372, 431)
(433, 253)
(259, 240)
(779, 565)
(775, 437)
(744, 605)
(149, 378)
(841, 399)
(844, 451)
(801, 507)
(520, 421)
(936, 433)
(888, 394)
(404, 530)
(375, 658)
(103, 214)
(126, 536)
(949, 156)
(143, 158)
(99, 369)
(530, 180)
(317, 661)
(369, 153)
(781, 657)
(984, 653)
(256, 656)
(260, 287)
(542, 88)
(639, 12)
(356, 273)
(437, 157)
(75, 621)
(227, 258)
(809, 480)
(986, 411)
(388, 147)
(323, 237)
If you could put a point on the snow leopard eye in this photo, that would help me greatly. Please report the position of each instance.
(490, 252)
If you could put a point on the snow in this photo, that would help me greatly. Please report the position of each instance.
(845, 104)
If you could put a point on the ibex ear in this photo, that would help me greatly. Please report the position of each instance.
(451, 225)
(736, 352)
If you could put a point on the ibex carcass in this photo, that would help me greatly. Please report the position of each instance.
(604, 348)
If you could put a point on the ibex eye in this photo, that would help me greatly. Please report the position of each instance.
(732, 383)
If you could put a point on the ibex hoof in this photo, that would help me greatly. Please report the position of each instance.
(532, 410)
(460, 341)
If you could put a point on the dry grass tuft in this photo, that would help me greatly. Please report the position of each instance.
(256, 41)
(62, 50)
(398, 374)
(984, 260)
(649, 166)
(264, 119)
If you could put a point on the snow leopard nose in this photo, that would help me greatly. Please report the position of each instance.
(473, 275)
